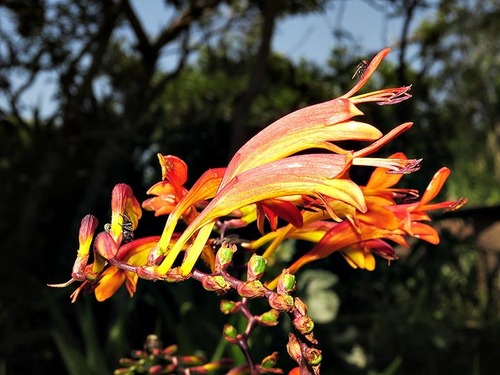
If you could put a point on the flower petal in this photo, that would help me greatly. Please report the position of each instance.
(309, 127)
(124, 205)
(109, 283)
(203, 189)
(435, 185)
(105, 246)
(370, 69)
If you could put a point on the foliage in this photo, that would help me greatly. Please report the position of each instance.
(120, 98)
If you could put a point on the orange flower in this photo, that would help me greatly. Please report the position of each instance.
(114, 244)
(170, 190)
(132, 253)
(362, 234)
(265, 173)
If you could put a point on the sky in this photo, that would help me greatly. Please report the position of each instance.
(309, 37)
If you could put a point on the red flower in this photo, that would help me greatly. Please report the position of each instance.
(114, 244)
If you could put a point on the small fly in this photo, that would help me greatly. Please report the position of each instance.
(360, 69)
(127, 229)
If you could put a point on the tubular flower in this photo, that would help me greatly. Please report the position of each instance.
(115, 243)
(363, 234)
(277, 176)
(265, 173)
(170, 190)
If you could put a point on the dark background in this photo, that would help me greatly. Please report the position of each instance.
(434, 311)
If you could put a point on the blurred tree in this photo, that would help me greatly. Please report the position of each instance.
(120, 95)
(106, 78)
(460, 53)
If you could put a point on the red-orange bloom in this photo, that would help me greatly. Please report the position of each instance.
(362, 234)
(265, 173)
(115, 243)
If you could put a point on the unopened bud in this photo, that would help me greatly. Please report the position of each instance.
(229, 307)
(190, 360)
(281, 302)
(313, 356)
(256, 267)
(127, 362)
(304, 324)
(122, 371)
(270, 361)
(293, 348)
(170, 350)
(251, 289)
(230, 333)
(300, 306)
(286, 283)
(215, 283)
(269, 318)
(139, 354)
(156, 369)
(224, 256)
(87, 229)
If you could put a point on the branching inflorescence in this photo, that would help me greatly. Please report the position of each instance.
(277, 177)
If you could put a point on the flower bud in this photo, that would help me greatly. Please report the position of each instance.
(170, 350)
(251, 289)
(293, 348)
(270, 361)
(286, 283)
(215, 283)
(224, 256)
(229, 307)
(230, 334)
(313, 356)
(300, 306)
(190, 360)
(281, 302)
(86, 233)
(256, 267)
(127, 362)
(122, 371)
(304, 324)
(139, 354)
(269, 318)
(156, 369)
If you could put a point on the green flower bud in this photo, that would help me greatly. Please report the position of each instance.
(224, 256)
(230, 333)
(313, 356)
(269, 318)
(229, 307)
(256, 267)
(286, 283)
(270, 361)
